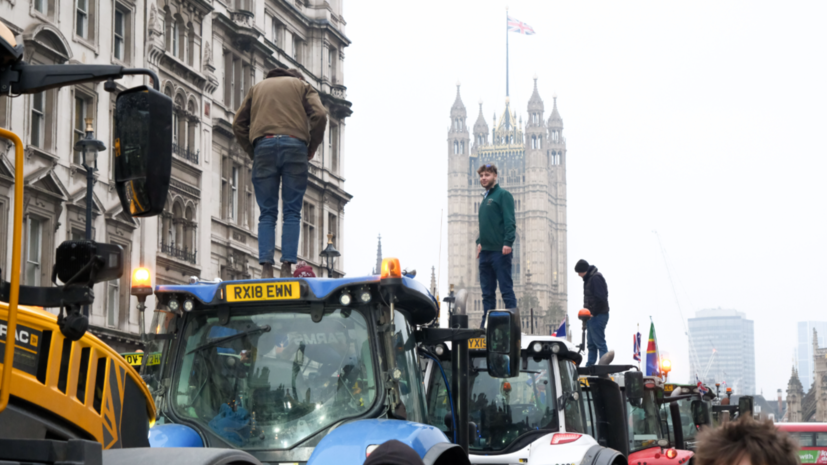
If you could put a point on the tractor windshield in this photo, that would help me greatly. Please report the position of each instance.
(645, 423)
(269, 380)
(502, 409)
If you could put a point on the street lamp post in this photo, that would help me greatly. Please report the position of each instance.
(90, 147)
(329, 255)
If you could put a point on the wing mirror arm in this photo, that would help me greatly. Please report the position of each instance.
(28, 79)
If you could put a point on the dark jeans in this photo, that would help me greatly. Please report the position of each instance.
(596, 337)
(495, 268)
(279, 161)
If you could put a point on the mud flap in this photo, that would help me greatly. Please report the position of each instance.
(599, 455)
(445, 453)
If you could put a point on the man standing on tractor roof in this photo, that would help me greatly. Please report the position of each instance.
(280, 125)
(596, 300)
(498, 228)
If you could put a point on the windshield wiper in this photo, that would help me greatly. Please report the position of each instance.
(232, 337)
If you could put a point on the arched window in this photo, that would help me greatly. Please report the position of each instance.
(178, 225)
(189, 229)
(462, 147)
(192, 127)
(539, 142)
(456, 147)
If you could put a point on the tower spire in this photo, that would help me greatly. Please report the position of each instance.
(378, 269)
(433, 281)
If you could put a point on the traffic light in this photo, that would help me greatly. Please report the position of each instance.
(141, 283)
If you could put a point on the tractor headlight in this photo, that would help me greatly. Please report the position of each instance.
(345, 298)
(364, 295)
(188, 305)
(537, 347)
(173, 304)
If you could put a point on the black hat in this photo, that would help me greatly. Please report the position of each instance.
(394, 452)
(582, 266)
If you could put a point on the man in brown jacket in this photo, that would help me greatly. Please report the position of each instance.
(280, 125)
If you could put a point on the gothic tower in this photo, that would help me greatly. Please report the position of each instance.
(795, 394)
(458, 194)
(531, 166)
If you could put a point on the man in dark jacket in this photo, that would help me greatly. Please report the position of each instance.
(498, 229)
(596, 300)
(280, 124)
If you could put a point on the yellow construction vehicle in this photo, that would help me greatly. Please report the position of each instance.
(65, 396)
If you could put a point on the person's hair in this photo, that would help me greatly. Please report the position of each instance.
(278, 72)
(760, 441)
(490, 167)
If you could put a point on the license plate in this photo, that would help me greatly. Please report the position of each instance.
(136, 359)
(477, 343)
(263, 291)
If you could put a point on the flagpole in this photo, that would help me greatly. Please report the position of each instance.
(506, 51)
(639, 344)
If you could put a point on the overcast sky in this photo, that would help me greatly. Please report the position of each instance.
(704, 121)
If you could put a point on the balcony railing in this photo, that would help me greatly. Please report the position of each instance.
(185, 153)
(181, 254)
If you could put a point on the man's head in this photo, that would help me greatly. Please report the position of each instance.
(746, 442)
(581, 268)
(488, 175)
(280, 72)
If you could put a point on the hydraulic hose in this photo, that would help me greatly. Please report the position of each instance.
(447, 388)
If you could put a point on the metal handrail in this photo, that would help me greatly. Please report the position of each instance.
(17, 245)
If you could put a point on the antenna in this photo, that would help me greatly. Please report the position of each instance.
(439, 256)
(692, 352)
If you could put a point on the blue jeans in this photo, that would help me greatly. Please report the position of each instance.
(596, 337)
(495, 267)
(279, 161)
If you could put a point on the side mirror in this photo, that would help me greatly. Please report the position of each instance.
(633, 382)
(503, 343)
(700, 413)
(746, 406)
(143, 150)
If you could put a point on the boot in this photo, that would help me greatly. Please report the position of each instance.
(266, 270)
(286, 270)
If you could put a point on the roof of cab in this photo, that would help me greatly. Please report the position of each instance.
(527, 339)
(320, 288)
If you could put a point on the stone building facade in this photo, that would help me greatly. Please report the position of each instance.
(207, 54)
(531, 161)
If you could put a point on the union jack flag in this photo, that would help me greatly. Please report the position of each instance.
(701, 388)
(519, 27)
(636, 348)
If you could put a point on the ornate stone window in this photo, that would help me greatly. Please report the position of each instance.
(45, 196)
(178, 228)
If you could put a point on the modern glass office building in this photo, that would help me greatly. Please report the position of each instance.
(804, 352)
(722, 349)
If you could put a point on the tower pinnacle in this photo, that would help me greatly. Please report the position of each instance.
(378, 269)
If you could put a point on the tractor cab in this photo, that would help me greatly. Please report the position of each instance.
(272, 367)
(692, 416)
(538, 417)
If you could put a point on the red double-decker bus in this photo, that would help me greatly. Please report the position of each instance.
(812, 439)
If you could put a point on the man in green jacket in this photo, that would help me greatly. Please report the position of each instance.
(498, 229)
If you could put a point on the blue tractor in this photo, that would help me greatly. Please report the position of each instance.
(296, 370)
